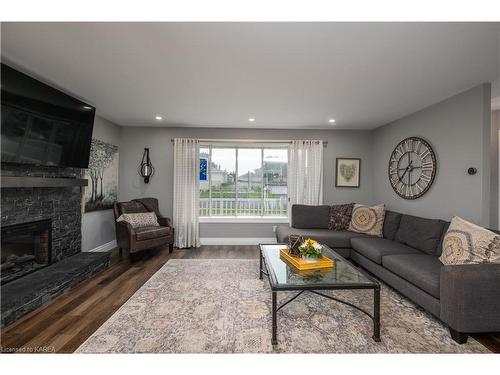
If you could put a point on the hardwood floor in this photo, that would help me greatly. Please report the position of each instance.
(63, 324)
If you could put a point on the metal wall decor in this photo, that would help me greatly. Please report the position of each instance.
(146, 169)
(412, 168)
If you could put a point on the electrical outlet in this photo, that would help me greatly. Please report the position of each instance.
(274, 228)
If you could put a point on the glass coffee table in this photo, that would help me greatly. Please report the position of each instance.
(343, 275)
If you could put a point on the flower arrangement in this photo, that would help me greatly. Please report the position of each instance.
(310, 249)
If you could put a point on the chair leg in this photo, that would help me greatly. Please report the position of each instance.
(170, 248)
(120, 252)
(459, 337)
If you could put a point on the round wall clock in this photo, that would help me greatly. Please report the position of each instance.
(412, 168)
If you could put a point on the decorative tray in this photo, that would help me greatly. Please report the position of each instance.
(302, 265)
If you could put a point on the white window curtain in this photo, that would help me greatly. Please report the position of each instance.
(305, 173)
(186, 192)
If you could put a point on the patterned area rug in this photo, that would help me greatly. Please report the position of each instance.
(221, 306)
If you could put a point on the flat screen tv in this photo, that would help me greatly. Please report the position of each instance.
(42, 125)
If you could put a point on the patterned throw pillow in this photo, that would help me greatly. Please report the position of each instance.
(467, 243)
(142, 219)
(340, 216)
(368, 220)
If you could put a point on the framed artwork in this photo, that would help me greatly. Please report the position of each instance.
(348, 171)
(102, 174)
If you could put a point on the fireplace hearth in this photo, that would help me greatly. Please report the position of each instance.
(26, 248)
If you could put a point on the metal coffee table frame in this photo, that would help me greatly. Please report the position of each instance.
(313, 288)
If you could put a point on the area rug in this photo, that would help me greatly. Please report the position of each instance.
(221, 306)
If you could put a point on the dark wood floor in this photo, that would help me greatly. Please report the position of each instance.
(63, 324)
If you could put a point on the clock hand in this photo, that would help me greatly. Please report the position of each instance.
(401, 178)
(406, 170)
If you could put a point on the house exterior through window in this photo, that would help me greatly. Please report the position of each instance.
(243, 180)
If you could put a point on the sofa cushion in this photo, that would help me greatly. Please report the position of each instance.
(421, 270)
(375, 248)
(391, 224)
(314, 217)
(331, 238)
(340, 216)
(148, 233)
(368, 220)
(420, 233)
(468, 243)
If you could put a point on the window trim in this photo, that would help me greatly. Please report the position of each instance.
(242, 219)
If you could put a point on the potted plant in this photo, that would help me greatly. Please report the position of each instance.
(310, 250)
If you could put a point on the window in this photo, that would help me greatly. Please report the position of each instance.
(247, 180)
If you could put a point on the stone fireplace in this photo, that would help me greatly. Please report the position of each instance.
(60, 204)
(41, 253)
(26, 248)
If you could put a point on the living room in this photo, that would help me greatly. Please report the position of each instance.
(250, 188)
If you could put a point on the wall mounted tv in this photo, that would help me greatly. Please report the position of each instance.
(42, 125)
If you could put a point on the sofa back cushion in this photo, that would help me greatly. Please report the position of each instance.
(420, 233)
(310, 217)
(391, 224)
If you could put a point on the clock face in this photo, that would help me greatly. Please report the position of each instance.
(412, 168)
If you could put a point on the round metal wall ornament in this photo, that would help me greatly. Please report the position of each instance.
(412, 168)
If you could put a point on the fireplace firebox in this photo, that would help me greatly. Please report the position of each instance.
(26, 248)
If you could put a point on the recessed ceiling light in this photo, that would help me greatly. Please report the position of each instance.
(251, 119)
(158, 118)
(331, 121)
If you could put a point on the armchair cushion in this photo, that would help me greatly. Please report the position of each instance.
(151, 232)
(138, 220)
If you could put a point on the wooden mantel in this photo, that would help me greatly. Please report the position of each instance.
(29, 182)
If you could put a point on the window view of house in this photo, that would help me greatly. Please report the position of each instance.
(243, 181)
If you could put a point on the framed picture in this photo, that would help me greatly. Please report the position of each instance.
(348, 172)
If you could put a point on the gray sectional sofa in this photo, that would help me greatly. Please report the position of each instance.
(466, 298)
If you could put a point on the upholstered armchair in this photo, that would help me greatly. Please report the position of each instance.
(133, 240)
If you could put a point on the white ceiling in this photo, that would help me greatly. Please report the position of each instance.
(286, 75)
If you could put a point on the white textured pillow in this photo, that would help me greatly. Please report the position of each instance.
(142, 219)
(468, 243)
(368, 219)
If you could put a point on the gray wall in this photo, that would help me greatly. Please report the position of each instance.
(98, 227)
(341, 143)
(495, 127)
(495, 165)
(459, 130)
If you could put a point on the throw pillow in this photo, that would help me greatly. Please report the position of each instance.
(368, 219)
(467, 243)
(142, 219)
(340, 216)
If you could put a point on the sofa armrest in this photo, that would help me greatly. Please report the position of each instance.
(164, 221)
(470, 297)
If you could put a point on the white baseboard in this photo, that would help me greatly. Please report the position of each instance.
(105, 247)
(236, 240)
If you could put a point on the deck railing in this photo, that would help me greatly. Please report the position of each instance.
(244, 207)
